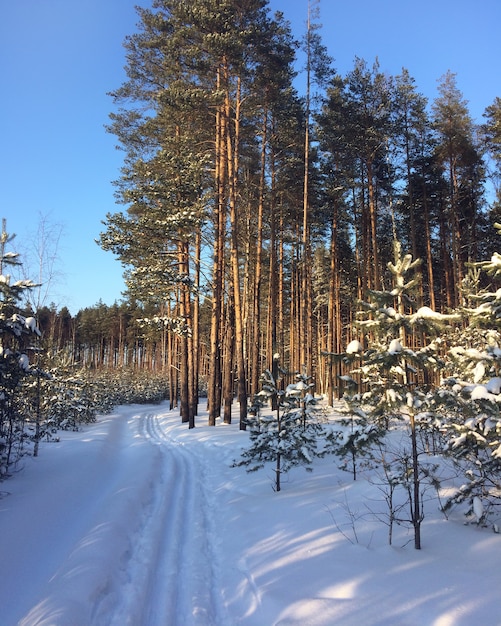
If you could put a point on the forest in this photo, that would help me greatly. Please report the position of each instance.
(258, 218)
(262, 225)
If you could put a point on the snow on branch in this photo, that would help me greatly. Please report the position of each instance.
(176, 325)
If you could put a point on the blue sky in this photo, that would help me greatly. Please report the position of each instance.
(59, 58)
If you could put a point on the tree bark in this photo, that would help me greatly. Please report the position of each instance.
(232, 149)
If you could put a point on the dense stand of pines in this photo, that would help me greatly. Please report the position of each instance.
(257, 217)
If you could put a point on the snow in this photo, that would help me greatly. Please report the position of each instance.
(494, 385)
(395, 347)
(31, 324)
(478, 508)
(478, 372)
(138, 521)
(296, 389)
(24, 362)
(354, 347)
(479, 392)
(426, 313)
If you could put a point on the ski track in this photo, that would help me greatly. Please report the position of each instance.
(171, 577)
(143, 549)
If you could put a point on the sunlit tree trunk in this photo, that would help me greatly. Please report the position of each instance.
(214, 384)
(195, 348)
(232, 151)
(229, 357)
(304, 294)
(255, 345)
(334, 312)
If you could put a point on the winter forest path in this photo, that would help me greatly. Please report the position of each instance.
(175, 543)
(125, 535)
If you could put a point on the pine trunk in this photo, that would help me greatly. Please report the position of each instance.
(232, 148)
(255, 345)
(214, 383)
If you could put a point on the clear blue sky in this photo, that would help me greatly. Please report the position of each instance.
(59, 58)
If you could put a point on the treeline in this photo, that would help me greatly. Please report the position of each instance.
(104, 337)
(50, 375)
(57, 372)
(278, 211)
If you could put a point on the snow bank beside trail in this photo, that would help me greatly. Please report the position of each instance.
(72, 530)
(315, 555)
(88, 583)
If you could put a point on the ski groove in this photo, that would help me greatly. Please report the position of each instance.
(174, 543)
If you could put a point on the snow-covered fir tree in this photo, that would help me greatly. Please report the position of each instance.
(16, 334)
(354, 435)
(468, 402)
(285, 426)
(394, 369)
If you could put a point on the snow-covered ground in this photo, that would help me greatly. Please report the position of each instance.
(138, 521)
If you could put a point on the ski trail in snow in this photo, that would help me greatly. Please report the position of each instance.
(172, 573)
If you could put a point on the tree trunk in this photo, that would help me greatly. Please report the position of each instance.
(372, 260)
(184, 358)
(232, 148)
(306, 327)
(416, 503)
(255, 346)
(214, 383)
(429, 257)
(228, 358)
(333, 308)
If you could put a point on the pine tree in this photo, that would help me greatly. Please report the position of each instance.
(192, 107)
(318, 70)
(394, 376)
(491, 131)
(355, 437)
(468, 401)
(415, 158)
(16, 333)
(165, 180)
(368, 126)
(458, 152)
(284, 426)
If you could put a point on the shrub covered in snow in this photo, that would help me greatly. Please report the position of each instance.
(71, 397)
